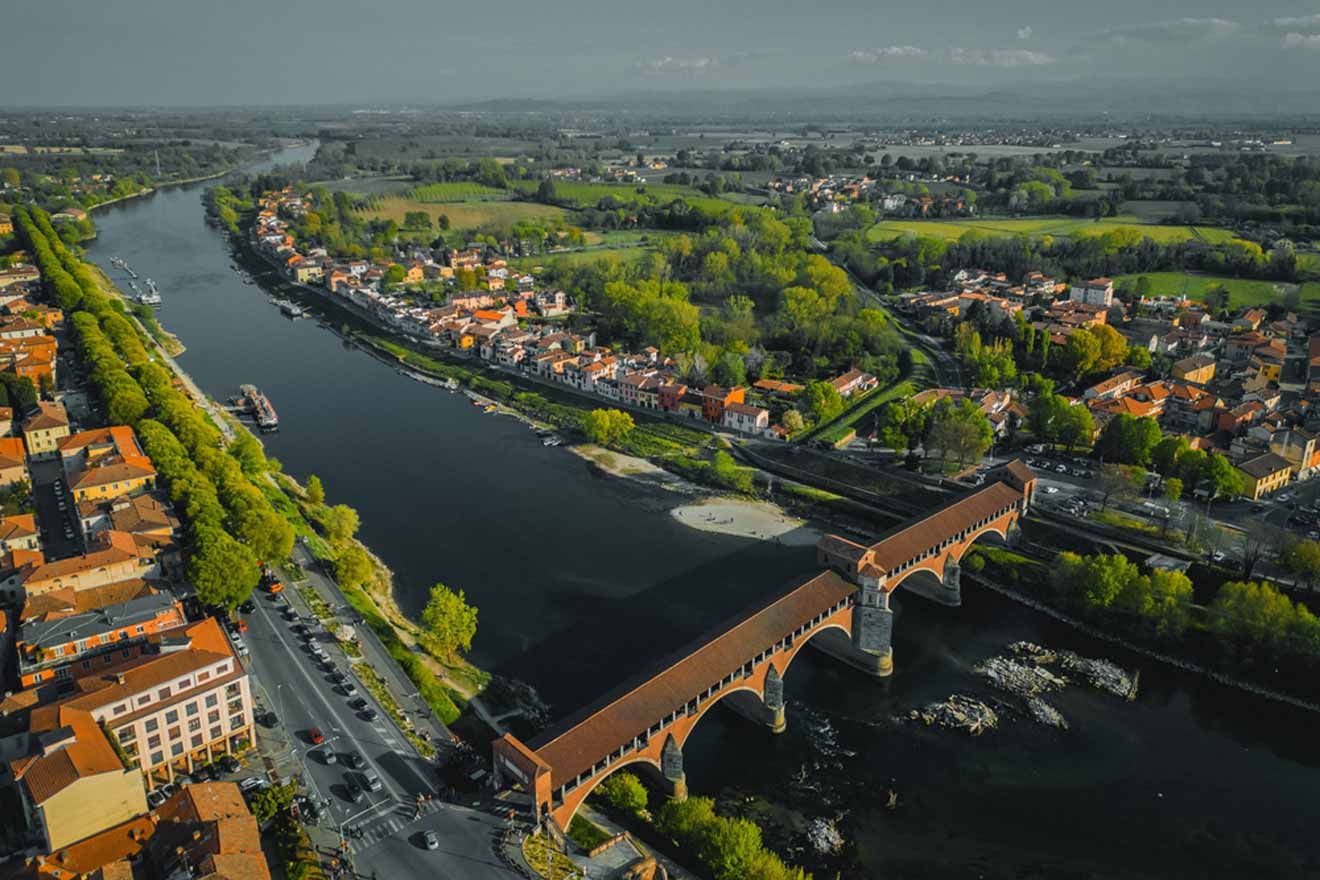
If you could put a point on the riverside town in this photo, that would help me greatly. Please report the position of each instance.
(848, 443)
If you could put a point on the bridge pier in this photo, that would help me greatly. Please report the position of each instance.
(946, 590)
(673, 781)
(870, 649)
(768, 712)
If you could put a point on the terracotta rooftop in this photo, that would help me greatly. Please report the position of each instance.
(1264, 465)
(49, 415)
(908, 541)
(579, 741)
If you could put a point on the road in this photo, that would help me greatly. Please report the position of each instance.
(388, 842)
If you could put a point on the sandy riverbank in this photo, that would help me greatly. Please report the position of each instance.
(747, 519)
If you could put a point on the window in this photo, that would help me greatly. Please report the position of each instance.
(127, 733)
(194, 724)
(236, 722)
(157, 758)
(164, 693)
(139, 629)
(176, 749)
(120, 709)
(197, 741)
(175, 732)
(186, 683)
(213, 717)
(153, 741)
(222, 668)
(152, 724)
(212, 700)
(124, 653)
(203, 676)
(191, 708)
(233, 689)
(87, 664)
(216, 732)
(172, 716)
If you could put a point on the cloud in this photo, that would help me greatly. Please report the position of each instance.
(1000, 57)
(1298, 21)
(1294, 40)
(670, 64)
(1024, 33)
(875, 56)
(1183, 29)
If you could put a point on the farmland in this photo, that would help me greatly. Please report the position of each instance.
(459, 191)
(1242, 291)
(952, 230)
(588, 195)
(464, 215)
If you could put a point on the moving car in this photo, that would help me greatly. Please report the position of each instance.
(248, 606)
(327, 756)
(355, 760)
(355, 792)
(371, 780)
(430, 839)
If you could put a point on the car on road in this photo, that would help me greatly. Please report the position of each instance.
(1051, 490)
(430, 839)
(349, 689)
(155, 799)
(315, 736)
(355, 792)
(1061, 468)
(1285, 496)
(327, 756)
(371, 780)
(357, 703)
(370, 714)
(337, 677)
(1218, 556)
(248, 606)
(230, 764)
(252, 783)
(355, 760)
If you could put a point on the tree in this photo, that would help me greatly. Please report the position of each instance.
(1121, 481)
(607, 426)
(340, 522)
(960, 429)
(353, 566)
(394, 274)
(1164, 456)
(224, 571)
(315, 491)
(624, 792)
(1080, 355)
(823, 401)
(10, 177)
(271, 801)
(1076, 427)
(451, 622)
(247, 451)
(1302, 558)
(1259, 539)
(792, 420)
(1173, 489)
(1220, 478)
(1247, 613)
(1128, 440)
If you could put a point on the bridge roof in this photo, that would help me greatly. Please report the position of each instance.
(907, 541)
(573, 745)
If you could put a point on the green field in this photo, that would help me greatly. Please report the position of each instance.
(952, 230)
(588, 195)
(464, 215)
(462, 191)
(1242, 291)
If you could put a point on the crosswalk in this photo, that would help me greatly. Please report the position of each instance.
(402, 815)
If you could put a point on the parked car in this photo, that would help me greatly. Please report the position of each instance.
(355, 760)
(357, 703)
(248, 606)
(337, 677)
(355, 792)
(315, 736)
(371, 780)
(1051, 490)
(327, 756)
(155, 799)
(1062, 468)
(230, 764)
(430, 839)
(349, 689)
(370, 714)
(252, 783)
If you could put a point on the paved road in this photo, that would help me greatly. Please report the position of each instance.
(389, 843)
(50, 519)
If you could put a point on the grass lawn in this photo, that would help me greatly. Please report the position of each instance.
(465, 215)
(952, 230)
(582, 256)
(586, 834)
(1242, 291)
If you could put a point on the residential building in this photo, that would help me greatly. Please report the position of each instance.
(60, 646)
(853, 382)
(714, 399)
(1113, 387)
(20, 274)
(111, 557)
(206, 830)
(746, 418)
(1299, 448)
(1198, 369)
(13, 462)
(105, 463)
(44, 429)
(19, 532)
(1096, 292)
(1264, 474)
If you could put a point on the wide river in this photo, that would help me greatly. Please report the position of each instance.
(581, 580)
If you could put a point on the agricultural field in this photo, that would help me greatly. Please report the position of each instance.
(460, 191)
(464, 215)
(588, 195)
(586, 255)
(1242, 291)
(952, 230)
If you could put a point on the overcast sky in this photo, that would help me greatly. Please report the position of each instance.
(81, 52)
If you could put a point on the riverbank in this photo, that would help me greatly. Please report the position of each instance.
(761, 520)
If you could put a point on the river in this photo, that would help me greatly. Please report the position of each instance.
(581, 579)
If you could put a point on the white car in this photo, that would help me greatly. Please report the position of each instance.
(1219, 556)
(1051, 490)
(1285, 497)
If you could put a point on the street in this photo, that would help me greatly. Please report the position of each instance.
(383, 835)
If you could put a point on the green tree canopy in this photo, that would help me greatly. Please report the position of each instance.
(451, 623)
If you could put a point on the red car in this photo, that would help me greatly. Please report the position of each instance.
(316, 736)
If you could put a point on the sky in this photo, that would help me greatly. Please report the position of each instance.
(239, 52)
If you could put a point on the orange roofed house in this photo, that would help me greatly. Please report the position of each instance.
(111, 557)
(105, 463)
(43, 430)
(13, 461)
